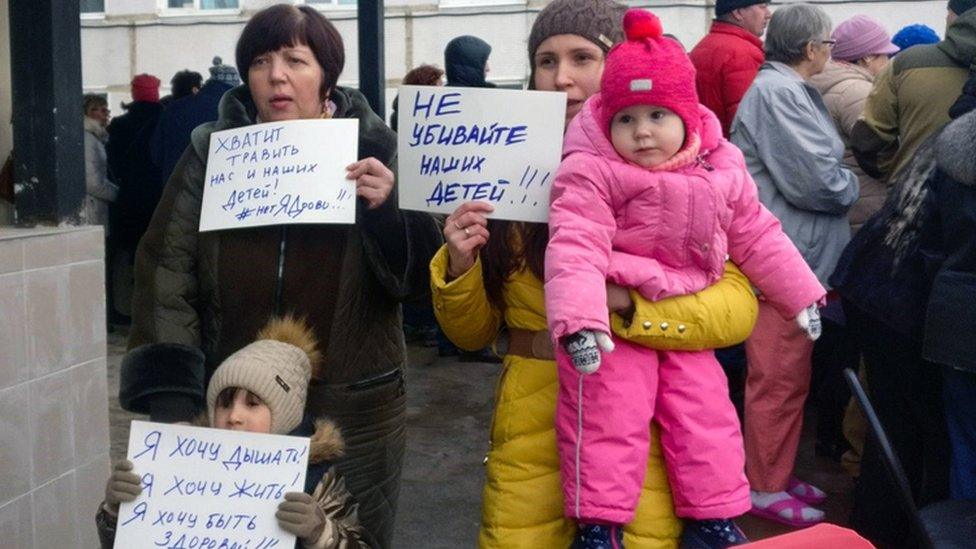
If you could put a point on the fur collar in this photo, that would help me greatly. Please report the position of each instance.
(956, 149)
(93, 127)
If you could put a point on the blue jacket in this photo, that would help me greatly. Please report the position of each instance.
(172, 135)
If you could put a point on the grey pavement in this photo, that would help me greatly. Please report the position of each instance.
(448, 416)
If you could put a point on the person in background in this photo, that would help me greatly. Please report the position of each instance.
(139, 187)
(424, 75)
(183, 83)
(100, 191)
(912, 95)
(729, 56)
(491, 276)
(950, 321)
(172, 134)
(795, 155)
(466, 62)
(914, 35)
(861, 51)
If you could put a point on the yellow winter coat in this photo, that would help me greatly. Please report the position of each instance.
(522, 504)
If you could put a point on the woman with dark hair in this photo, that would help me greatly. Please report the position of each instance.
(214, 290)
(489, 275)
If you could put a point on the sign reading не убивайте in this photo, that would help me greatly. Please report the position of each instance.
(462, 144)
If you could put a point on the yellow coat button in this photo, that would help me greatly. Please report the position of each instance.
(664, 326)
(647, 324)
(681, 328)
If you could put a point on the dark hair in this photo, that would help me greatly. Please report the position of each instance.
(424, 75)
(284, 25)
(226, 397)
(183, 82)
(92, 100)
(512, 246)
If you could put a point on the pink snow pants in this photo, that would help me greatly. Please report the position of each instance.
(603, 431)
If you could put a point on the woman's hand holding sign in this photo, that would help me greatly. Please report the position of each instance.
(466, 231)
(374, 181)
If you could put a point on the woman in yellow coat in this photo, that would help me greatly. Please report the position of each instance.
(482, 284)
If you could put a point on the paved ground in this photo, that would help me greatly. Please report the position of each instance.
(448, 414)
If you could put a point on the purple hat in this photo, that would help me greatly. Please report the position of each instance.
(861, 36)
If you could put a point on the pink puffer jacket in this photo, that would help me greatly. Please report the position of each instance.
(670, 232)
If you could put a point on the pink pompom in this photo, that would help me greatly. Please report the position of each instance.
(640, 24)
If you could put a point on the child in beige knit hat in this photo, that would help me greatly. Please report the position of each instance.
(262, 389)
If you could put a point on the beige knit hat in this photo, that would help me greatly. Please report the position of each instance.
(276, 367)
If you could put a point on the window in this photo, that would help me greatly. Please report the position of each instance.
(92, 6)
(203, 4)
(480, 3)
(323, 3)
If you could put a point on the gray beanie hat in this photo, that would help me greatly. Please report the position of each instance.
(277, 367)
(224, 73)
(599, 21)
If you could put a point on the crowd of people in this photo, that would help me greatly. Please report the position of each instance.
(800, 189)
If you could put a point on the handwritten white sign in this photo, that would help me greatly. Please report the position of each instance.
(280, 173)
(462, 144)
(209, 488)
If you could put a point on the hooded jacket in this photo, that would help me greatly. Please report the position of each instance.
(726, 62)
(670, 231)
(845, 88)
(911, 98)
(322, 481)
(950, 320)
(215, 290)
(465, 59)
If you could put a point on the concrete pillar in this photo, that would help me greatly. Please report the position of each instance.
(49, 171)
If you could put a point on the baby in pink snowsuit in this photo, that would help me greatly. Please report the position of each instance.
(650, 196)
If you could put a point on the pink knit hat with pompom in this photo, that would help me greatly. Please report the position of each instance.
(648, 68)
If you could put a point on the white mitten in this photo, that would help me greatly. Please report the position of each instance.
(809, 321)
(584, 347)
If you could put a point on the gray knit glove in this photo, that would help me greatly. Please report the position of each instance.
(809, 320)
(301, 515)
(123, 485)
(584, 347)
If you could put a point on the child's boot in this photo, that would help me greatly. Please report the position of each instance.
(711, 534)
(598, 536)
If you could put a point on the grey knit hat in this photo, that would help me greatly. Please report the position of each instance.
(599, 21)
(224, 73)
(277, 367)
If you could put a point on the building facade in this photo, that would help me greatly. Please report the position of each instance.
(121, 38)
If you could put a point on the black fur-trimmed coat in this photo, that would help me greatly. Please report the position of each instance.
(950, 320)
